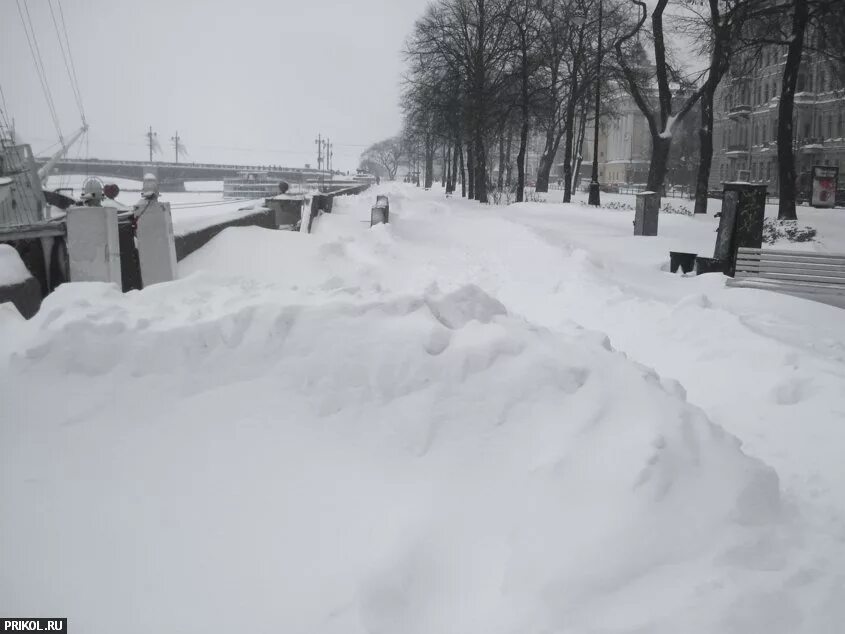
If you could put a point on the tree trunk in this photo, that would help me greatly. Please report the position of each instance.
(547, 160)
(569, 126)
(470, 172)
(481, 168)
(448, 163)
(520, 160)
(705, 152)
(501, 178)
(579, 146)
(460, 150)
(544, 165)
(443, 167)
(786, 156)
(660, 147)
(456, 148)
(508, 166)
(429, 162)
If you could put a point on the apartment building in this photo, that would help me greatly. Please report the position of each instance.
(746, 118)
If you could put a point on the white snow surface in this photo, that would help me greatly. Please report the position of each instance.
(12, 269)
(474, 419)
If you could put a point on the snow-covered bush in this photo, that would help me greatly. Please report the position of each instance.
(503, 196)
(534, 197)
(774, 230)
(669, 208)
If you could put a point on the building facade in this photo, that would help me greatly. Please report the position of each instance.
(746, 119)
(624, 146)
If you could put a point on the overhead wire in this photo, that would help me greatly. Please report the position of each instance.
(70, 55)
(67, 57)
(3, 110)
(195, 205)
(39, 65)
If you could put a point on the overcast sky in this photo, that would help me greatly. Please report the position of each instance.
(243, 81)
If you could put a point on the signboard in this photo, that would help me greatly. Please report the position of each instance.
(823, 193)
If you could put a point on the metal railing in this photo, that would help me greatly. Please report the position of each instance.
(222, 166)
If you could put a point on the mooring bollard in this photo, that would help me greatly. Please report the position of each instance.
(156, 244)
(741, 221)
(93, 245)
(645, 219)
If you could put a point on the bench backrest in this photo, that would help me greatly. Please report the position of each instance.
(794, 267)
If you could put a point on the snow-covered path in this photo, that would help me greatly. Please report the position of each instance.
(769, 368)
(445, 424)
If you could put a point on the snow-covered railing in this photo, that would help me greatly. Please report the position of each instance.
(323, 202)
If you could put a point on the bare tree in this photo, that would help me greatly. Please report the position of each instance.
(662, 116)
(386, 154)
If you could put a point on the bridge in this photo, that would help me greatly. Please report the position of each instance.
(172, 176)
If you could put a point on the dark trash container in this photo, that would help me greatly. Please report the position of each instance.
(709, 265)
(684, 261)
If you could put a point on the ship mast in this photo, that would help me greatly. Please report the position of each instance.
(44, 172)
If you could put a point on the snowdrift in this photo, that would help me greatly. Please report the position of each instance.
(213, 456)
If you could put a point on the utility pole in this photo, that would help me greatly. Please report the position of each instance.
(319, 141)
(595, 192)
(175, 140)
(151, 142)
(329, 155)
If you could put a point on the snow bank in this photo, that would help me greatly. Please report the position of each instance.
(12, 269)
(404, 429)
(212, 457)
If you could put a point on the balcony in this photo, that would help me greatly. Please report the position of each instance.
(737, 150)
(810, 144)
(740, 112)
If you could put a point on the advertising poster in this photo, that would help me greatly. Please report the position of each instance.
(824, 186)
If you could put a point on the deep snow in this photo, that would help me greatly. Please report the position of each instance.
(439, 425)
(12, 269)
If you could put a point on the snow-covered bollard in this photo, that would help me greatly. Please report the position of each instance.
(154, 230)
(156, 244)
(93, 245)
(380, 213)
(645, 219)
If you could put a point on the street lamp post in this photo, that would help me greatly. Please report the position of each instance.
(595, 195)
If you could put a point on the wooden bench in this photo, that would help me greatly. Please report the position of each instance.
(815, 276)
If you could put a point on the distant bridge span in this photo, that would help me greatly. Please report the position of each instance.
(174, 175)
